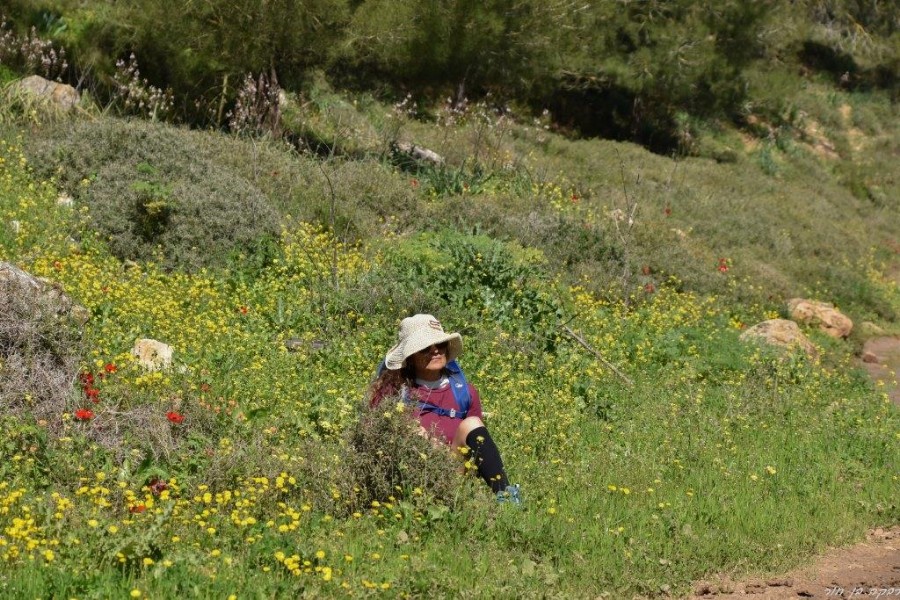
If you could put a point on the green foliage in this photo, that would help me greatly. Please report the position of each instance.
(279, 485)
(699, 459)
(156, 194)
(630, 72)
(627, 72)
(193, 47)
(7, 75)
(454, 181)
(464, 43)
(326, 123)
(480, 277)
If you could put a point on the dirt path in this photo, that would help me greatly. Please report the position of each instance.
(870, 569)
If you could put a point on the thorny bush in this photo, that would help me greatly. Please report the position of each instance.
(40, 350)
(389, 457)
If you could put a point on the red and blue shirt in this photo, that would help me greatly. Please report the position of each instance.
(440, 426)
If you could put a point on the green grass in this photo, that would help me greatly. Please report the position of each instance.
(721, 457)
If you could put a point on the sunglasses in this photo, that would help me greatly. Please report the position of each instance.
(442, 348)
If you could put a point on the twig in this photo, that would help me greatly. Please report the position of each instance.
(599, 356)
(624, 233)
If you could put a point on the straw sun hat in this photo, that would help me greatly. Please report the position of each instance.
(417, 333)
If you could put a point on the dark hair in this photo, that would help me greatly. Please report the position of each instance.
(390, 381)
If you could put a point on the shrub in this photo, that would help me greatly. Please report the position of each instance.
(355, 197)
(157, 192)
(630, 71)
(40, 349)
(388, 457)
(482, 45)
(193, 222)
(326, 123)
(202, 50)
(477, 277)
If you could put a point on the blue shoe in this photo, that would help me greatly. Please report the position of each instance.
(510, 494)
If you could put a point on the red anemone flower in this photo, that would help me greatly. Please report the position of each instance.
(723, 265)
(110, 368)
(84, 414)
(175, 417)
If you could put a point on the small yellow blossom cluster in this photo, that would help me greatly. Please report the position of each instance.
(23, 534)
(298, 566)
(30, 212)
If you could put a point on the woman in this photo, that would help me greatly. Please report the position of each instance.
(421, 370)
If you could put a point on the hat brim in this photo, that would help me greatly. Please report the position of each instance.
(397, 355)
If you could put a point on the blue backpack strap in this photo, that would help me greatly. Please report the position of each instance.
(458, 385)
(381, 369)
(460, 388)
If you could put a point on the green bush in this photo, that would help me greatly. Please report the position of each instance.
(203, 50)
(466, 44)
(327, 123)
(475, 277)
(356, 197)
(630, 71)
(197, 220)
(157, 193)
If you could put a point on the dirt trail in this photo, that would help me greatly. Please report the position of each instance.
(870, 569)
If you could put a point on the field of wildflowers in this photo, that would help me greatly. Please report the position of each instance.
(231, 474)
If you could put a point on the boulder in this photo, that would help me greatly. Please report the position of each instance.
(50, 293)
(419, 153)
(16, 276)
(62, 95)
(152, 354)
(822, 315)
(871, 358)
(783, 333)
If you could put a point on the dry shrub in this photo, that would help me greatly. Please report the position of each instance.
(145, 426)
(40, 349)
(388, 456)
